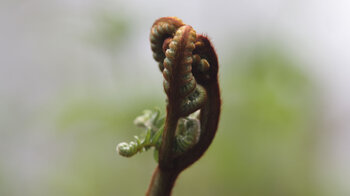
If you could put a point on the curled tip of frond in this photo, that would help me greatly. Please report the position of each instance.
(127, 150)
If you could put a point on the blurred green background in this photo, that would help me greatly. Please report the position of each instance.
(75, 74)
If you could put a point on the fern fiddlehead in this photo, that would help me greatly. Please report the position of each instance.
(189, 66)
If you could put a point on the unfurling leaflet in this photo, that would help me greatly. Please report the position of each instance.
(188, 132)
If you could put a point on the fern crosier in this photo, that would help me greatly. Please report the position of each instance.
(189, 65)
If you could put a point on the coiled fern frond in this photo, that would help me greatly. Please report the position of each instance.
(189, 65)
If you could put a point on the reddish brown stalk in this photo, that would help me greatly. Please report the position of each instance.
(210, 112)
(173, 107)
(162, 182)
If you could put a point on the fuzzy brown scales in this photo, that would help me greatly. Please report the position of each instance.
(190, 66)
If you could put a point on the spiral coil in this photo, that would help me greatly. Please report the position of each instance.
(162, 29)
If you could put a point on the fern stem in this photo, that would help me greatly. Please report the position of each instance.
(162, 182)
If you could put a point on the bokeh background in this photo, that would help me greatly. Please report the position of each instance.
(75, 73)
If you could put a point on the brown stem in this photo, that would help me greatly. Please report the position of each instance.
(162, 182)
(165, 152)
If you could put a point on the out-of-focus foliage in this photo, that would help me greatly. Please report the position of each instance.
(268, 127)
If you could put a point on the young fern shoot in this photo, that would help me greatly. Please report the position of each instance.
(189, 66)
